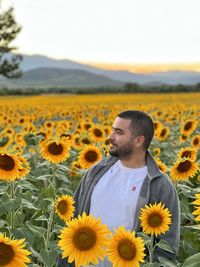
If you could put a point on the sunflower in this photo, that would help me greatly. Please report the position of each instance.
(84, 240)
(156, 151)
(88, 156)
(76, 141)
(22, 120)
(12, 252)
(49, 124)
(183, 138)
(24, 168)
(157, 127)
(55, 151)
(9, 167)
(183, 169)
(197, 211)
(18, 149)
(188, 152)
(20, 140)
(43, 134)
(195, 142)
(155, 219)
(188, 127)
(107, 130)
(161, 165)
(125, 249)
(75, 167)
(107, 142)
(64, 207)
(163, 133)
(85, 140)
(66, 136)
(9, 131)
(96, 133)
(86, 125)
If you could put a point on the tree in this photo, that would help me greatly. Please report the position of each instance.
(9, 62)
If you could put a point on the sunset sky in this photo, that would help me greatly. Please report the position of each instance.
(135, 35)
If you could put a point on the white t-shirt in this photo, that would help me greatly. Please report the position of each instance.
(115, 196)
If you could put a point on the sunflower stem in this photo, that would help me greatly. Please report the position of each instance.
(54, 168)
(49, 229)
(50, 223)
(151, 249)
(12, 188)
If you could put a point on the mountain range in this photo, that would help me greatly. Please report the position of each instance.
(41, 71)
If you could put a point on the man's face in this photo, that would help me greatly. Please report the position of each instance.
(121, 139)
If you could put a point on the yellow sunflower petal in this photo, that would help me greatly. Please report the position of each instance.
(155, 219)
(12, 252)
(84, 240)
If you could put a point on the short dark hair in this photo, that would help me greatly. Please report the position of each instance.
(141, 124)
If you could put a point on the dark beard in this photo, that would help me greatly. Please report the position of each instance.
(122, 152)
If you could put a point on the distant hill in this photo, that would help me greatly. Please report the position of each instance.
(45, 71)
(53, 77)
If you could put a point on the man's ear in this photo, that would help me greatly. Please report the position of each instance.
(139, 140)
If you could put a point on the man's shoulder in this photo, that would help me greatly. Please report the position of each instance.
(105, 163)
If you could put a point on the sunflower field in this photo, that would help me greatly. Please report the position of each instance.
(48, 142)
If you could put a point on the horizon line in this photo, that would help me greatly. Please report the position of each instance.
(146, 67)
(132, 67)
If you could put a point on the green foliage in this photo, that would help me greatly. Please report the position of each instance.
(9, 63)
(127, 88)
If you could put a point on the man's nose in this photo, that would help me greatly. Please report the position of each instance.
(111, 136)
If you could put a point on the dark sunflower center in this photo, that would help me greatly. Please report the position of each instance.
(184, 136)
(6, 254)
(155, 125)
(184, 166)
(55, 149)
(155, 220)
(49, 124)
(87, 126)
(6, 163)
(62, 206)
(196, 141)
(186, 154)
(91, 156)
(77, 141)
(163, 132)
(107, 142)
(126, 249)
(188, 125)
(97, 132)
(85, 141)
(84, 239)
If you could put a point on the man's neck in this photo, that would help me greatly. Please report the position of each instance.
(135, 161)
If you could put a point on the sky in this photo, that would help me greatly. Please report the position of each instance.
(134, 34)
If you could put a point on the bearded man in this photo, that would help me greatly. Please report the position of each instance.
(116, 188)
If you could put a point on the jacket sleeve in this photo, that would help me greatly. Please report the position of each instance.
(168, 196)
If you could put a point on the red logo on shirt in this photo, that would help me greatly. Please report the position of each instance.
(133, 188)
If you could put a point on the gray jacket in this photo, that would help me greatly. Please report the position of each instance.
(157, 187)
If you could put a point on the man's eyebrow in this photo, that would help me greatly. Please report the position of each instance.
(117, 129)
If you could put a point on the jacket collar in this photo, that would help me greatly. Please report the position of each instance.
(153, 170)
